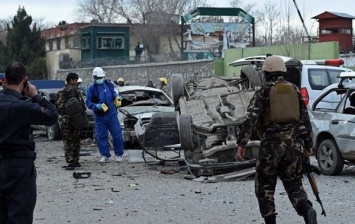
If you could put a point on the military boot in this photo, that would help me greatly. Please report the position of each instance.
(309, 213)
(270, 219)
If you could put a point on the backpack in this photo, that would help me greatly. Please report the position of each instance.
(74, 108)
(284, 104)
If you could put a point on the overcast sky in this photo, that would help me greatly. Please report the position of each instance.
(54, 11)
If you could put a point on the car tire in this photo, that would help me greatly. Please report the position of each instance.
(177, 88)
(185, 124)
(329, 158)
(252, 76)
(53, 132)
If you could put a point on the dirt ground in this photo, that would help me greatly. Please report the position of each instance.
(140, 193)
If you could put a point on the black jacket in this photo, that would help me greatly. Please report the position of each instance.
(17, 113)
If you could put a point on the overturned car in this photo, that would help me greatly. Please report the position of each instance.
(209, 114)
(206, 122)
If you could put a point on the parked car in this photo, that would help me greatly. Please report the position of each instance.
(139, 103)
(311, 76)
(49, 89)
(332, 116)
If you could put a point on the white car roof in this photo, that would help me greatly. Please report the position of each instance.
(261, 59)
(346, 75)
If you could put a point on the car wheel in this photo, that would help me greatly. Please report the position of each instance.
(177, 88)
(252, 76)
(53, 132)
(185, 122)
(329, 158)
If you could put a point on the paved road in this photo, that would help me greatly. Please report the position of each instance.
(138, 193)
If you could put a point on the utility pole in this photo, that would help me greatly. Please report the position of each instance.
(304, 26)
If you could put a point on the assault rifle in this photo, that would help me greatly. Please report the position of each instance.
(308, 168)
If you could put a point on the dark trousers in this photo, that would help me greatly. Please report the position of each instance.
(71, 141)
(18, 191)
(279, 159)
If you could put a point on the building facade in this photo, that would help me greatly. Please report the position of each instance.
(335, 26)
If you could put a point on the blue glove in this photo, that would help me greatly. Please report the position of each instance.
(98, 106)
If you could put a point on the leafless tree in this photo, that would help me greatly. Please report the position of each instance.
(103, 11)
(249, 8)
(153, 19)
(270, 18)
(3, 30)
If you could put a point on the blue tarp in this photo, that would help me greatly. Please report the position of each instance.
(48, 84)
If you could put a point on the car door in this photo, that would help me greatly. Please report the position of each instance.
(328, 116)
(343, 127)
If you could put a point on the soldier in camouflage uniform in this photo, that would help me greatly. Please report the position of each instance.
(281, 152)
(70, 134)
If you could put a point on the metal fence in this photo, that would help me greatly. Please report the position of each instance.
(153, 58)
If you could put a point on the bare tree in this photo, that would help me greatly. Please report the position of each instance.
(249, 8)
(100, 10)
(270, 18)
(3, 30)
(153, 19)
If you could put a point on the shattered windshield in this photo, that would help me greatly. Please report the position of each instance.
(144, 98)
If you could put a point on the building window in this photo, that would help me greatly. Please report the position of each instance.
(345, 31)
(329, 31)
(66, 42)
(50, 45)
(110, 43)
(85, 43)
(58, 43)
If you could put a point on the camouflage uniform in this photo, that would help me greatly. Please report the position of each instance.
(70, 134)
(280, 152)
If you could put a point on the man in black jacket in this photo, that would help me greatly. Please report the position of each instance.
(18, 191)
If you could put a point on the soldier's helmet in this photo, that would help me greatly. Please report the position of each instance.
(164, 80)
(274, 64)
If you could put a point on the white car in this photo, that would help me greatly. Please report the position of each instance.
(332, 117)
(310, 76)
(139, 103)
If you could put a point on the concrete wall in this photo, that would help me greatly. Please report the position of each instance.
(304, 51)
(140, 74)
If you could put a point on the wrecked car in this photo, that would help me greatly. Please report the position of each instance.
(209, 114)
(333, 121)
(139, 103)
